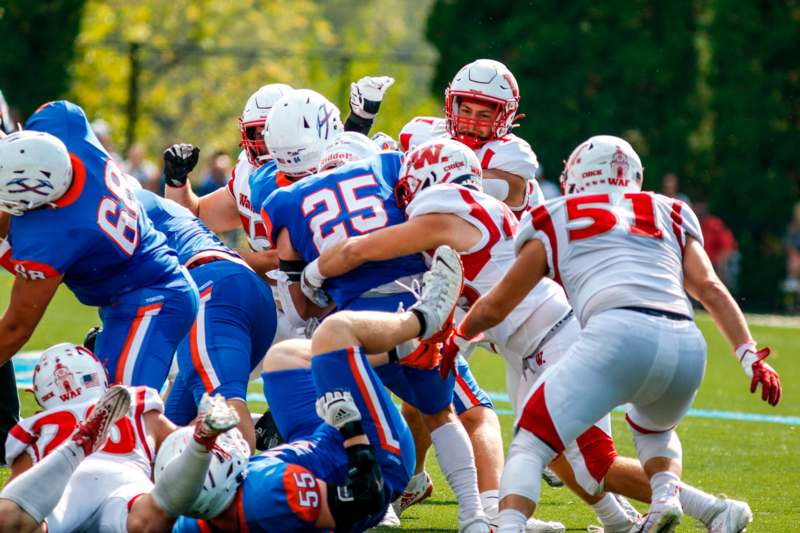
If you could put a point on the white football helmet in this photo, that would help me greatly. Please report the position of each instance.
(299, 127)
(437, 161)
(349, 146)
(254, 116)
(35, 170)
(226, 472)
(602, 164)
(487, 82)
(68, 373)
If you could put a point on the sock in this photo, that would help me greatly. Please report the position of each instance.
(490, 501)
(182, 480)
(512, 521)
(699, 504)
(610, 512)
(456, 459)
(39, 489)
(661, 482)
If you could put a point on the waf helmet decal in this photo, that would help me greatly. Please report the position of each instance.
(619, 164)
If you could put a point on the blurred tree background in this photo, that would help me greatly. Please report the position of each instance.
(707, 89)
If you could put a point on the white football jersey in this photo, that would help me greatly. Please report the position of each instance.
(488, 261)
(510, 154)
(239, 187)
(615, 250)
(128, 443)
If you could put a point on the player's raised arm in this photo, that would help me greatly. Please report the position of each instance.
(704, 285)
(29, 300)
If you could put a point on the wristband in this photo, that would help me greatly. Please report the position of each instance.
(312, 274)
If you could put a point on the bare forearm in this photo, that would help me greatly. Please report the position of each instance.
(726, 313)
(339, 259)
(184, 196)
(12, 338)
(482, 316)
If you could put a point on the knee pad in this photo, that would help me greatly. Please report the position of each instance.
(522, 474)
(661, 444)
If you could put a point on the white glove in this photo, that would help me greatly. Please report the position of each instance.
(311, 281)
(367, 93)
(338, 408)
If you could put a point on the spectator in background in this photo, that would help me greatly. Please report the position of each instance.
(671, 188)
(145, 171)
(102, 131)
(791, 286)
(216, 173)
(720, 245)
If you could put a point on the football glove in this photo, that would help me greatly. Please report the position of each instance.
(759, 372)
(367, 93)
(179, 160)
(426, 356)
(455, 345)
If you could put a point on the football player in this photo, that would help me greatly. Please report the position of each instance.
(99, 477)
(350, 455)
(76, 219)
(481, 105)
(317, 211)
(235, 324)
(626, 259)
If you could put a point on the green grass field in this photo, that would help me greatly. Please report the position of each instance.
(755, 461)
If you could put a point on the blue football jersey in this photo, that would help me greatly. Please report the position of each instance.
(99, 237)
(351, 200)
(186, 234)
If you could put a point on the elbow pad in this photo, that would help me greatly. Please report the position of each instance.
(362, 493)
(496, 187)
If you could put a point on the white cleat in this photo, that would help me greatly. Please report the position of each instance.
(215, 417)
(441, 288)
(634, 522)
(539, 526)
(733, 517)
(477, 524)
(419, 488)
(665, 511)
(390, 519)
(93, 432)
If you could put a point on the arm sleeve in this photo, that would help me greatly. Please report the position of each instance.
(358, 124)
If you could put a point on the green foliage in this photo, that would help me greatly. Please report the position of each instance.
(756, 105)
(584, 68)
(37, 49)
(200, 60)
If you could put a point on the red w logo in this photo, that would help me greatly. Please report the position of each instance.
(428, 156)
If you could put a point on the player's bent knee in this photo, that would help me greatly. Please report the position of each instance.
(288, 355)
(335, 333)
(527, 457)
(445, 416)
(479, 417)
(664, 444)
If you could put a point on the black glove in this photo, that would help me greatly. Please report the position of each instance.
(179, 160)
(362, 494)
(90, 339)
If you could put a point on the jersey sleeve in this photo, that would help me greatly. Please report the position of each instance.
(538, 224)
(35, 254)
(420, 130)
(146, 399)
(441, 198)
(19, 441)
(687, 219)
(5, 256)
(272, 212)
(52, 118)
(513, 155)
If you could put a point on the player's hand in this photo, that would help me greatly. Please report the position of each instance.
(90, 340)
(179, 160)
(759, 372)
(311, 284)
(367, 94)
(455, 345)
(426, 356)
(385, 141)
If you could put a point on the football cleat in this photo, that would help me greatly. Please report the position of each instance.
(390, 519)
(441, 288)
(551, 478)
(419, 488)
(215, 417)
(634, 522)
(733, 517)
(113, 404)
(540, 526)
(338, 408)
(665, 511)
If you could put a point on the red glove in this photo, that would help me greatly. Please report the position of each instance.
(752, 361)
(455, 344)
(426, 356)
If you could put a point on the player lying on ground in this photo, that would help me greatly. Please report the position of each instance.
(354, 199)
(99, 477)
(346, 463)
(625, 258)
(62, 187)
